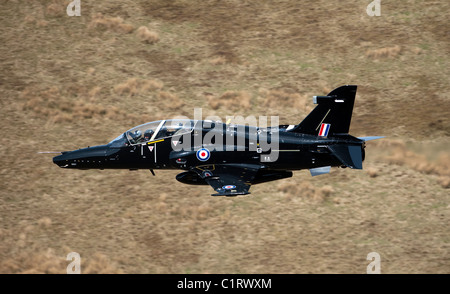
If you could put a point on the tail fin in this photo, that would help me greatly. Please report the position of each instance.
(332, 115)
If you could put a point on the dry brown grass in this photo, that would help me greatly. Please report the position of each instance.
(48, 262)
(218, 60)
(39, 23)
(41, 262)
(56, 9)
(147, 36)
(42, 23)
(417, 50)
(53, 105)
(44, 222)
(372, 172)
(115, 24)
(231, 100)
(135, 86)
(285, 98)
(170, 100)
(99, 264)
(399, 154)
(305, 190)
(402, 156)
(94, 92)
(444, 181)
(387, 52)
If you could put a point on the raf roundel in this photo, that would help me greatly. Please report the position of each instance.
(228, 187)
(203, 154)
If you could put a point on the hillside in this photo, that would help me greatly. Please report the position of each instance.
(72, 82)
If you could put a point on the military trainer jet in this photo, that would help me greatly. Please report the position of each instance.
(231, 158)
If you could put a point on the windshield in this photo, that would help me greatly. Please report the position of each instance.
(120, 141)
(158, 130)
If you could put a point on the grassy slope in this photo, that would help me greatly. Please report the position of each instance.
(71, 82)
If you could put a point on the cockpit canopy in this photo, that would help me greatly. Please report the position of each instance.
(154, 131)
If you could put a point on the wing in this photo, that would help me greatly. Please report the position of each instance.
(229, 179)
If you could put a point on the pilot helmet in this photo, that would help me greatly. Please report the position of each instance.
(148, 134)
(136, 135)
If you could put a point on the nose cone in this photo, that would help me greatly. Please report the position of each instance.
(91, 157)
(60, 160)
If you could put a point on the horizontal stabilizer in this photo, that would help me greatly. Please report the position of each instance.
(365, 139)
(319, 170)
(349, 155)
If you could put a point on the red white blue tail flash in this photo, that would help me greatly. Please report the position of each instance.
(324, 129)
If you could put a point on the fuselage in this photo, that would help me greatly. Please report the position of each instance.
(275, 148)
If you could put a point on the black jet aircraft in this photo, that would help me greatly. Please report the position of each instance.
(231, 158)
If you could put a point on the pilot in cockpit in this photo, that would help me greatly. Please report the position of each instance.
(148, 135)
(135, 136)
